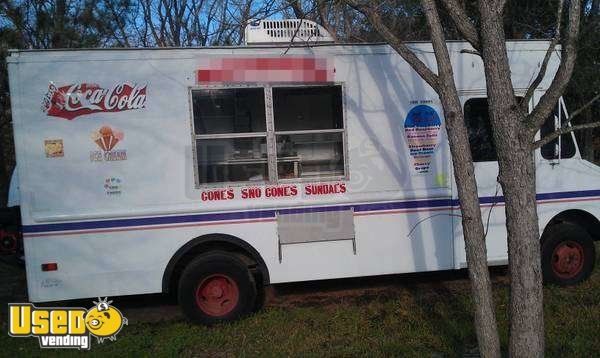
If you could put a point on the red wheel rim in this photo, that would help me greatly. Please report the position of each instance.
(217, 295)
(567, 259)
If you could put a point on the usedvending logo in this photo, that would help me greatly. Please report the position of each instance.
(107, 138)
(80, 99)
(66, 327)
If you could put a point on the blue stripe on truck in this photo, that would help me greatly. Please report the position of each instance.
(270, 213)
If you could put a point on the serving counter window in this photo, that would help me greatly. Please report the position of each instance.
(309, 131)
(237, 138)
(230, 135)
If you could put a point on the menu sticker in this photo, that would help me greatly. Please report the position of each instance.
(422, 131)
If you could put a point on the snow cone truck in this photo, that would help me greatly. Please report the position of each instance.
(212, 172)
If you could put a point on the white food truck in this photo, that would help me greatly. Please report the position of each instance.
(211, 172)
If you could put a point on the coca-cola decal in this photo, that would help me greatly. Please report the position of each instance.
(86, 98)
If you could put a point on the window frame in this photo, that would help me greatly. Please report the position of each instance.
(270, 135)
(195, 137)
(343, 130)
(562, 113)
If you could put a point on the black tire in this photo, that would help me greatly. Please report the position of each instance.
(261, 297)
(207, 287)
(568, 255)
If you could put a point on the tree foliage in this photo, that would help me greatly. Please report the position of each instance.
(188, 23)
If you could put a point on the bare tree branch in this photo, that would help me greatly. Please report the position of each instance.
(563, 130)
(584, 107)
(438, 42)
(297, 7)
(146, 7)
(567, 128)
(463, 23)
(500, 5)
(569, 53)
(120, 24)
(324, 18)
(421, 68)
(471, 52)
(542, 72)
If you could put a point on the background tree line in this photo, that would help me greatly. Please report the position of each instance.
(183, 23)
(484, 24)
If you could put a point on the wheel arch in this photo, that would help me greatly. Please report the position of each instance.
(578, 217)
(205, 243)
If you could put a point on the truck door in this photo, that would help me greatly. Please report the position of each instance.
(485, 161)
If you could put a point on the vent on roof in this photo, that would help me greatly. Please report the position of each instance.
(284, 31)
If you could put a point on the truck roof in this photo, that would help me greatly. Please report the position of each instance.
(25, 55)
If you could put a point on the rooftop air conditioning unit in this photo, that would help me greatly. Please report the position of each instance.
(260, 32)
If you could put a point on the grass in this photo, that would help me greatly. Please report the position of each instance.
(414, 320)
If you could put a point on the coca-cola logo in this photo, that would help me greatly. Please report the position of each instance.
(86, 98)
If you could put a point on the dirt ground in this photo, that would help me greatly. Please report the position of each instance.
(159, 307)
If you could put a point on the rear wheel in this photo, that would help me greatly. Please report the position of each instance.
(568, 255)
(216, 287)
(261, 296)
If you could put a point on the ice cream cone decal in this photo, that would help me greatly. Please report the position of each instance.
(107, 138)
(421, 128)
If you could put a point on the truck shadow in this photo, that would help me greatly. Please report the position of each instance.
(422, 289)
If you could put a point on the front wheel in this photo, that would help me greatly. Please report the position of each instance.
(216, 287)
(568, 255)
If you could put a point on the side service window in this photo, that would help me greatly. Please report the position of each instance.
(230, 134)
(309, 131)
(239, 139)
(480, 130)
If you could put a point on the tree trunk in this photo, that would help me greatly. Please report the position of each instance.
(464, 174)
(517, 177)
(587, 137)
(486, 327)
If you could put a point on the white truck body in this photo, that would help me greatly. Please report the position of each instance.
(108, 153)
